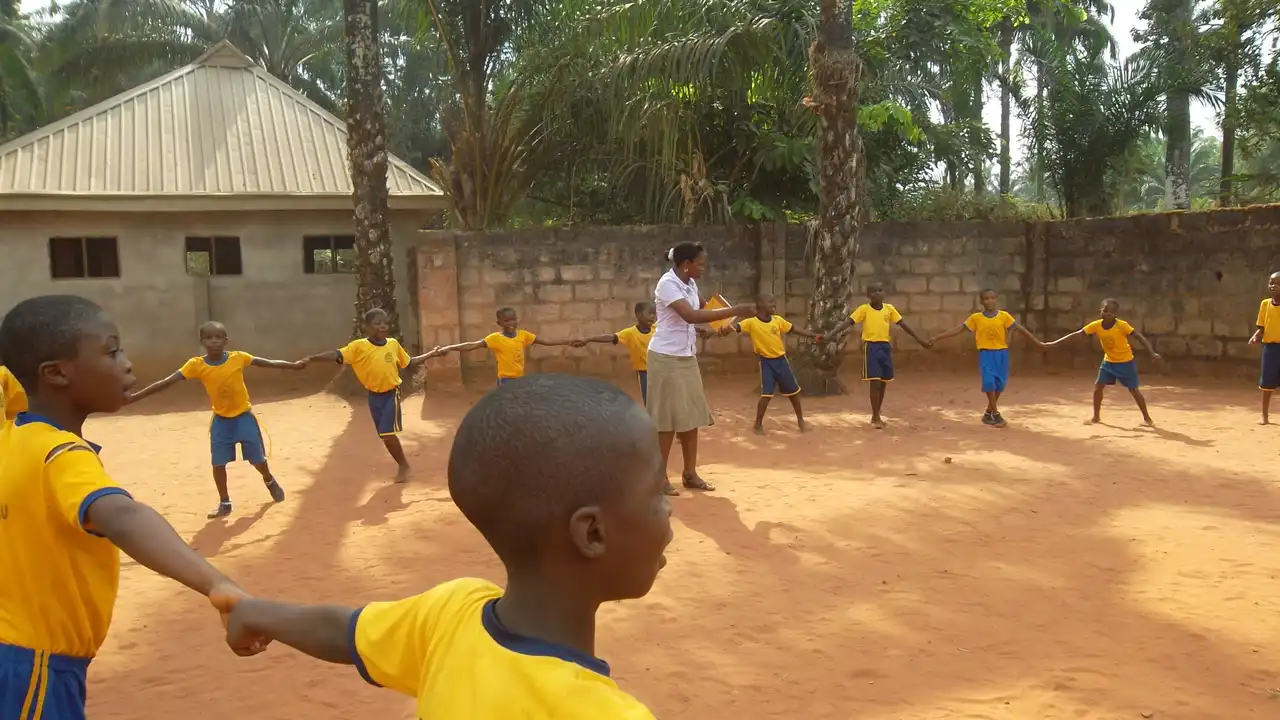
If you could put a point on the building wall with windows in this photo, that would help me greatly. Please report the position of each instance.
(282, 282)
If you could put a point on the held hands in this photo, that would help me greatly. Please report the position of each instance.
(725, 330)
(224, 596)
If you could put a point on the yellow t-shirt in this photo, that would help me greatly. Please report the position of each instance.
(637, 345)
(1115, 342)
(224, 381)
(60, 579)
(447, 648)
(991, 333)
(1269, 321)
(13, 399)
(376, 365)
(766, 337)
(876, 324)
(509, 352)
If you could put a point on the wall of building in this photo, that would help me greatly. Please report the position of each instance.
(273, 309)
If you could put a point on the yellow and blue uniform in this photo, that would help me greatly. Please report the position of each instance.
(508, 351)
(991, 334)
(377, 365)
(636, 341)
(1118, 364)
(13, 399)
(877, 354)
(60, 579)
(1269, 321)
(448, 649)
(767, 342)
(233, 420)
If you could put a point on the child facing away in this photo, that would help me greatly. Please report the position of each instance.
(376, 361)
(1117, 356)
(13, 399)
(234, 423)
(990, 330)
(508, 345)
(766, 330)
(65, 519)
(1268, 333)
(877, 318)
(588, 455)
(636, 340)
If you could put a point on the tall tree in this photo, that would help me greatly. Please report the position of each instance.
(1169, 31)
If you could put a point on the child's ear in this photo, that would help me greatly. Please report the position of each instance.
(53, 373)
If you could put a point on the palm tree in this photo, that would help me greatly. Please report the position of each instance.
(20, 95)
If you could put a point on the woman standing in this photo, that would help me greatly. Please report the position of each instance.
(677, 402)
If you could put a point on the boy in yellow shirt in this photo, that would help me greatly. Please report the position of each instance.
(636, 341)
(65, 521)
(766, 330)
(990, 330)
(562, 476)
(1118, 364)
(508, 345)
(877, 318)
(376, 361)
(222, 374)
(1268, 333)
(13, 399)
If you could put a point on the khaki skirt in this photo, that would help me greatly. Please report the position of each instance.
(677, 402)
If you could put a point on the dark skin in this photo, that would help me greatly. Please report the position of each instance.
(646, 316)
(1273, 287)
(509, 323)
(98, 380)
(1108, 314)
(875, 298)
(598, 553)
(214, 340)
(376, 332)
(766, 305)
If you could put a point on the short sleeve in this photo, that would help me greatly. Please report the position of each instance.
(242, 359)
(488, 339)
(1007, 320)
(347, 352)
(1125, 327)
(894, 315)
(1262, 313)
(745, 325)
(190, 368)
(859, 314)
(527, 338)
(1092, 328)
(784, 325)
(668, 290)
(76, 479)
(402, 356)
(971, 322)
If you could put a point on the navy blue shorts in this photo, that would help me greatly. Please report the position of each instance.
(776, 375)
(385, 409)
(36, 685)
(644, 385)
(877, 361)
(503, 381)
(994, 366)
(1125, 373)
(225, 433)
(1269, 379)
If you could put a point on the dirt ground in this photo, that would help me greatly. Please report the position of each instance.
(1051, 570)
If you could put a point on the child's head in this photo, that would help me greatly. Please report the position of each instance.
(766, 304)
(1273, 284)
(562, 476)
(989, 299)
(213, 337)
(66, 345)
(507, 320)
(377, 323)
(875, 293)
(646, 313)
(689, 258)
(1109, 308)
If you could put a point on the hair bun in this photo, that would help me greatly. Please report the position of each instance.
(671, 254)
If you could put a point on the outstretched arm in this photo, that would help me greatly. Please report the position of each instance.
(417, 360)
(797, 330)
(280, 364)
(838, 330)
(539, 340)
(463, 347)
(700, 316)
(321, 631)
(924, 343)
(1027, 334)
(607, 339)
(947, 334)
(1064, 338)
(326, 356)
(1142, 340)
(156, 387)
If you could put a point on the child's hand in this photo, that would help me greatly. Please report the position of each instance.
(725, 330)
(819, 338)
(928, 344)
(577, 343)
(302, 363)
(1157, 357)
(1253, 339)
(224, 597)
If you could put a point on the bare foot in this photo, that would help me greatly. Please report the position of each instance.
(1095, 420)
(877, 423)
(804, 426)
(402, 475)
(670, 490)
(1149, 422)
(693, 482)
(758, 429)
(1264, 421)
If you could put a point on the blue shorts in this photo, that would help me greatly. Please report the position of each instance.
(225, 433)
(1269, 379)
(994, 367)
(877, 361)
(503, 381)
(644, 386)
(36, 685)
(385, 409)
(775, 374)
(1125, 373)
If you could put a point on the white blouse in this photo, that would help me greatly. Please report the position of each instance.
(672, 335)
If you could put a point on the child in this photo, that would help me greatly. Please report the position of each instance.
(990, 330)
(636, 340)
(508, 345)
(878, 318)
(766, 330)
(376, 360)
(222, 374)
(1268, 333)
(1117, 356)
(562, 476)
(65, 521)
(13, 399)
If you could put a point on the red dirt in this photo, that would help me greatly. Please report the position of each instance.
(1052, 570)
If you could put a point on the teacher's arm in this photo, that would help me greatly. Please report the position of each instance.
(700, 316)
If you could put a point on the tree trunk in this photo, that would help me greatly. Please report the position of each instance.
(367, 155)
(1231, 79)
(1006, 106)
(1177, 155)
(836, 77)
(979, 158)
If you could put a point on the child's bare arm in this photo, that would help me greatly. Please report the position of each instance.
(1257, 335)
(321, 631)
(903, 324)
(280, 364)
(327, 355)
(463, 347)
(704, 333)
(948, 333)
(1064, 338)
(839, 329)
(417, 360)
(157, 386)
(797, 330)
(1142, 340)
(553, 343)
(607, 339)
(1027, 334)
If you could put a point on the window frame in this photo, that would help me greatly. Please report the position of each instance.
(213, 241)
(335, 244)
(85, 263)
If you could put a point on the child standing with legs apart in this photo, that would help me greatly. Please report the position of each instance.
(1268, 333)
(563, 478)
(990, 330)
(222, 374)
(636, 340)
(1117, 356)
(766, 331)
(508, 345)
(877, 318)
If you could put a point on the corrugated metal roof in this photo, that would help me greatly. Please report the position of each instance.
(219, 126)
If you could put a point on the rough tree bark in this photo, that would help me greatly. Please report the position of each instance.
(1006, 105)
(367, 155)
(1177, 155)
(836, 78)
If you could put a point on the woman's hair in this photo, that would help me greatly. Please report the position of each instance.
(684, 252)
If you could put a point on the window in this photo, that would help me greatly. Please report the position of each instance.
(213, 256)
(91, 257)
(325, 254)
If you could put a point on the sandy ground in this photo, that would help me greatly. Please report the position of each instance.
(1052, 570)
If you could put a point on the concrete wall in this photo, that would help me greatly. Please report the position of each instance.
(273, 309)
